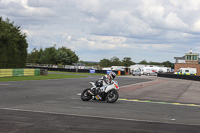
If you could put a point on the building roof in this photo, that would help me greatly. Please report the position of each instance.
(192, 54)
(180, 58)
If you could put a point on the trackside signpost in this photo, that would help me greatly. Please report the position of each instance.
(92, 70)
(108, 71)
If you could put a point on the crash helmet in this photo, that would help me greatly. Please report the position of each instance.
(112, 75)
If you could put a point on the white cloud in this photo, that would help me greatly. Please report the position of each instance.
(108, 25)
(69, 38)
(92, 6)
(197, 26)
(155, 46)
(174, 22)
(186, 4)
(90, 19)
(99, 43)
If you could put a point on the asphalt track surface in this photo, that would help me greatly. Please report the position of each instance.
(54, 106)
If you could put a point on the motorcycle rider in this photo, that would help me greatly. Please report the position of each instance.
(107, 80)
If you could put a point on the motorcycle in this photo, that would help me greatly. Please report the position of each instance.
(103, 93)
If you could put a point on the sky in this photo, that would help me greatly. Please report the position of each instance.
(151, 30)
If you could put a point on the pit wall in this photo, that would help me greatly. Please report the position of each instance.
(187, 77)
(19, 72)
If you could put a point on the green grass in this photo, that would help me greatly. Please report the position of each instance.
(97, 74)
(50, 76)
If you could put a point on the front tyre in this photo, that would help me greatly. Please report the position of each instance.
(85, 96)
(112, 96)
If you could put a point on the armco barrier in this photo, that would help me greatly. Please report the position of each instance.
(19, 72)
(188, 77)
(74, 70)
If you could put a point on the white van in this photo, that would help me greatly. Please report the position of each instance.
(151, 70)
(186, 71)
(136, 72)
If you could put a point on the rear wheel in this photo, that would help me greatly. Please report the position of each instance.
(85, 96)
(112, 96)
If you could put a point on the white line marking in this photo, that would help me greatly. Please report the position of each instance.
(78, 94)
(154, 102)
(102, 117)
(138, 83)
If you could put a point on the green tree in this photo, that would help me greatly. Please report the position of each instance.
(40, 59)
(65, 56)
(13, 45)
(127, 62)
(52, 55)
(115, 61)
(105, 63)
(154, 63)
(49, 55)
(168, 64)
(143, 62)
(33, 56)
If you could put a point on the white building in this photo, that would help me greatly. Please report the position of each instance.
(121, 68)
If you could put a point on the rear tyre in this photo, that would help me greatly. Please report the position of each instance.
(112, 96)
(85, 96)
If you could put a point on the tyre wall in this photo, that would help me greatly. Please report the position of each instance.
(19, 72)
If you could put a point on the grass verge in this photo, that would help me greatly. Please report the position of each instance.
(50, 76)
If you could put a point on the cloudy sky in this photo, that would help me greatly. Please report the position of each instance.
(154, 30)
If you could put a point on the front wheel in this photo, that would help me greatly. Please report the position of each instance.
(85, 96)
(112, 96)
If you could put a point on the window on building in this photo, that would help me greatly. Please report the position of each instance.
(189, 57)
(194, 57)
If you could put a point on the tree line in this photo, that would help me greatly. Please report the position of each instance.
(127, 62)
(51, 55)
(115, 61)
